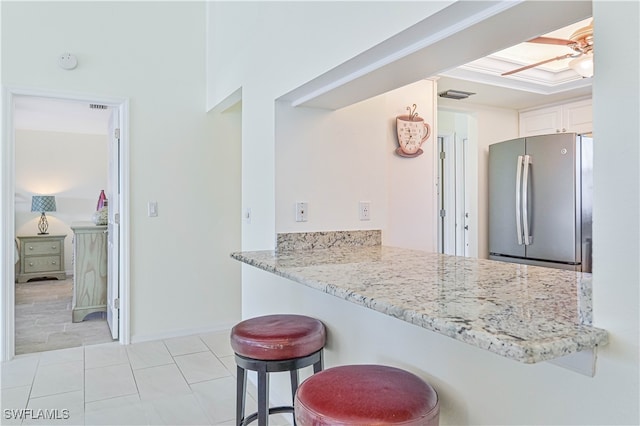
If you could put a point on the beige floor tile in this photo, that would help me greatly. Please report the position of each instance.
(19, 372)
(11, 401)
(185, 345)
(160, 382)
(148, 354)
(98, 385)
(59, 409)
(218, 342)
(58, 378)
(218, 399)
(200, 367)
(181, 409)
(124, 410)
(62, 355)
(109, 382)
(105, 354)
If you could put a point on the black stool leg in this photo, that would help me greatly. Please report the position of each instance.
(263, 397)
(263, 368)
(319, 365)
(241, 389)
(294, 387)
(294, 383)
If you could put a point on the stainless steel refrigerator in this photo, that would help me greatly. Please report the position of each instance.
(540, 201)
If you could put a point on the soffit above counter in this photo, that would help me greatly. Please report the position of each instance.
(458, 34)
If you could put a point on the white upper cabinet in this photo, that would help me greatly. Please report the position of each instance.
(571, 117)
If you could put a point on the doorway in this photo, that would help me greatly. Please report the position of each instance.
(453, 223)
(115, 116)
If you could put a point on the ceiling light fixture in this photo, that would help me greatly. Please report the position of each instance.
(455, 94)
(583, 65)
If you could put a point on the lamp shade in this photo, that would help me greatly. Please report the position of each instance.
(43, 203)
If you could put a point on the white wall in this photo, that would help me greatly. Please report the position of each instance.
(616, 206)
(332, 160)
(71, 166)
(477, 387)
(335, 159)
(241, 54)
(152, 53)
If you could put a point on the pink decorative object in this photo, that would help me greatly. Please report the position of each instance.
(102, 200)
(412, 132)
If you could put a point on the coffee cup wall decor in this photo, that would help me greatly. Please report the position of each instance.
(412, 132)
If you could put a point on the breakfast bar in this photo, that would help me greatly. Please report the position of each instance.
(525, 313)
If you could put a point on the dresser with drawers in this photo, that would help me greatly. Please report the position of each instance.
(89, 270)
(41, 256)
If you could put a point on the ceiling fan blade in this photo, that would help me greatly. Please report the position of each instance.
(557, 58)
(551, 40)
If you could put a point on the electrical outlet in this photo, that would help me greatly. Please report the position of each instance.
(365, 210)
(301, 211)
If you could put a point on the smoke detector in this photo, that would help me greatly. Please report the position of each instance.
(455, 94)
(67, 61)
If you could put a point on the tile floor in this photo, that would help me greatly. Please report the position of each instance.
(43, 318)
(180, 381)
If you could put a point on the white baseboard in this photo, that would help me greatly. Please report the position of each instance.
(224, 326)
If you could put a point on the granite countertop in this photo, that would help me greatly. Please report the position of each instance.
(526, 313)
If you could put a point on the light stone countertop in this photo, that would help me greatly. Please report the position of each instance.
(526, 313)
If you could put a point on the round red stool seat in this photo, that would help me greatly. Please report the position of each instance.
(276, 337)
(271, 344)
(366, 395)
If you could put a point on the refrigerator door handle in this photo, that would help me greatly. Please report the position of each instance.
(525, 207)
(518, 199)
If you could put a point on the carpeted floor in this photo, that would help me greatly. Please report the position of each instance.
(43, 319)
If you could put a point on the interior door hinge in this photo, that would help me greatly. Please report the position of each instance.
(116, 133)
(443, 155)
(116, 303)
(443, 212)
(116, 218)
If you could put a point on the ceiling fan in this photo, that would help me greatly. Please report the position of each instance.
(581, 42)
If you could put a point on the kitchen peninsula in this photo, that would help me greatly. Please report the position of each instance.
(525, 313)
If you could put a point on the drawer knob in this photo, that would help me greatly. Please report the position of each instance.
(30, 263)
(53, 262)
(53, 247)
(30, 247)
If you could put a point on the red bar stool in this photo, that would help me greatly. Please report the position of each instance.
(269, 344)
(366, 395)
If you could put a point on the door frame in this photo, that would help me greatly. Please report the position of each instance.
(452, 195)
(7, 213)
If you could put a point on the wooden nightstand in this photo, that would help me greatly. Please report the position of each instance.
(41, 256)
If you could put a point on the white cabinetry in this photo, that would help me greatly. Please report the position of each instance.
(571, 117)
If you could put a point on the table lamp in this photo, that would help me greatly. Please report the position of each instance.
(43, 203)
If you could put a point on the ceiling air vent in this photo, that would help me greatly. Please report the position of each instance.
(455, 94)
(97, 106)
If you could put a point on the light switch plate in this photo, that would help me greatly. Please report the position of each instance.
(152, 209)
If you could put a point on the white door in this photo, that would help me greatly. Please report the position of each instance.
(113, 229)
(453, 223)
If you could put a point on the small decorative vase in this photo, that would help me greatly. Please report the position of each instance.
(102, 200)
